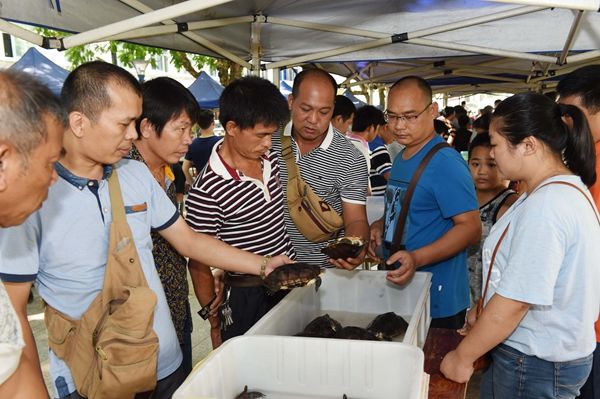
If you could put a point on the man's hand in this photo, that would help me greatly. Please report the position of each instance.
(470, 320)
(275, 262)
(219, 287)
(407, 268)
(455, 368)
(215, 331)
(376, 235)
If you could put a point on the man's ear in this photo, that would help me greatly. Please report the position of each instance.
(231, 128)
(146, 128)
(290, 101)
(77, 121)
(5, 163)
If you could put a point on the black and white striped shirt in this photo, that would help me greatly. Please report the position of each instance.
(336, 171)
(239, 210)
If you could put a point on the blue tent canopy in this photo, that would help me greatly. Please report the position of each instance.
(357, 103)
(206, 91)
(43, 69)
(285, 88)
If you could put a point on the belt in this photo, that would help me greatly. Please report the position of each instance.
(242, 280)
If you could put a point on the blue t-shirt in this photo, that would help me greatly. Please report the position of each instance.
(444, 190)
(200, 150)
(63, 248)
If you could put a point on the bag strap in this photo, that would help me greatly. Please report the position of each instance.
(288, 155)
(116, 198)
(399, 232)
(487, 281)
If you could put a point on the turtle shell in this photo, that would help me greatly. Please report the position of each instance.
(344, 247)
(322, 326)
(292, 275)
(352, 332)
(387, 326)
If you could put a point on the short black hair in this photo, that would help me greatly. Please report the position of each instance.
(165, 99)
(463, 120)
(343, 107)
(84, 90)
(421, 83)
(312, 72)
(367, 116)
(480, 140)
(205, 118)
(584, 83)
(440, 127)
(252, 100)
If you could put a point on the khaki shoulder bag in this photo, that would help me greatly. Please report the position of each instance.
(112, 350)
(315, 218)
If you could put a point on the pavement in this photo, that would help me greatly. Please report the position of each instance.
(201, 344)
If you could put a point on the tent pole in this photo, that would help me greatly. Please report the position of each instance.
(173, 27)
(255, 49)
(482, 50)
(276, 77)
(21, 33)
(583, 56)
(461, 72)
(139, 21)
(587, 5)
(194, 37)
(420, 68)
(570, 38)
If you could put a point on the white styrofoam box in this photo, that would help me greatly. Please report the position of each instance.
(375, 208)
(297, 367)
(352, 298)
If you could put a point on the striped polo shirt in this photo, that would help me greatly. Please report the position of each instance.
(239, 210)
(336, 171)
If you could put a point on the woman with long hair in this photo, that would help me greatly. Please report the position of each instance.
(541, 258)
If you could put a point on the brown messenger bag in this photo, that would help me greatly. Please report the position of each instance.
(112, 350)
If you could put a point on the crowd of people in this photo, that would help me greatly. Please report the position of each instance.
(101, 159)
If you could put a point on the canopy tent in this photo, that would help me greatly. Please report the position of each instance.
(285, 88)
(206, 91)
(43, 69)
(357, 103)
(494, 46)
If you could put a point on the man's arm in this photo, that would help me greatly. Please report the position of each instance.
(466, 231)
(211, 251)
(355, 224)
(204, 288)
(187, 164)
(27, 381)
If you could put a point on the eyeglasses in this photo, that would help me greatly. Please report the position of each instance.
(393, 119)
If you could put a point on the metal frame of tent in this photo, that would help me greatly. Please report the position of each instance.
(497, 69)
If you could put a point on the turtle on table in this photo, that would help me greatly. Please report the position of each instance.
(323, 327)
(245, 394)
(293, 275)
(387, 326)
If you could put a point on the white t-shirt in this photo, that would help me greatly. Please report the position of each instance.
(11, 337)
(549, 259)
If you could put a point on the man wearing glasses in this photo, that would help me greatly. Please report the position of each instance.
(443, 217)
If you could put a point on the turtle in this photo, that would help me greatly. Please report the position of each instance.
(344, 247)
(293, 275)
(352, 332)
(245, 394)
(322, 326)
(387, 326)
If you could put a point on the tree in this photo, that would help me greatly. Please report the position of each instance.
(125, 53)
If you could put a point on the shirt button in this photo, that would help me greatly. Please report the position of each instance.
(81, 187)
(105, 210)
(131, 260)
(91, 183)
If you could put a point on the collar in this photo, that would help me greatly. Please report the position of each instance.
(226, 171)
(324, 144)
(135, 154)
(81, 182)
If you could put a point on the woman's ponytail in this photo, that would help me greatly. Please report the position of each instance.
(579, 154)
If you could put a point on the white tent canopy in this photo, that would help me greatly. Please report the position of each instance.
(486, 44)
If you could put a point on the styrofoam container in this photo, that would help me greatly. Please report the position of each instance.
(297, 367)
(352, 298)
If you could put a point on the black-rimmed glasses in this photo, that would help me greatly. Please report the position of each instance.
(393, 118)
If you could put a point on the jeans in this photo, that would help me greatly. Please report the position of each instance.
(513, 374)
(591, 389)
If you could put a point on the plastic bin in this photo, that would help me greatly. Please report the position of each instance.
(352, 298)
(296, 367)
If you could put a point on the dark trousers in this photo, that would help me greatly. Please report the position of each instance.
(164, 389)
(248, 305)
(591, 388)
(186, 345)
(452, 322)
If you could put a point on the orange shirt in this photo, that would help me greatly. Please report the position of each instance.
(595, 190)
